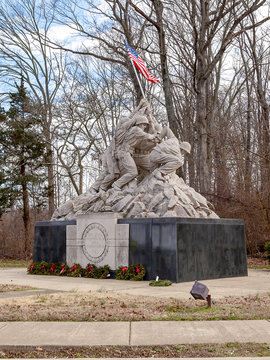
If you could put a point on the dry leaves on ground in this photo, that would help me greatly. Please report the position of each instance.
(7, 288)
(97, 306)
(167, 351)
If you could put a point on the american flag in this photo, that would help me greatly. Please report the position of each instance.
(137, 61)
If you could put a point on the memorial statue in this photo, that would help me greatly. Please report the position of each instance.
(136, 136)
(110, 170)
(166, 157)
(140, 145)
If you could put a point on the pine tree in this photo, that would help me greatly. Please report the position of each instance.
(6, 192)
(22, 155)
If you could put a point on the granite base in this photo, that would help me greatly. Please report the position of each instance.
(177, 249)
(187, 249)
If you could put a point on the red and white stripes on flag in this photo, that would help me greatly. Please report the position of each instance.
(137, 61)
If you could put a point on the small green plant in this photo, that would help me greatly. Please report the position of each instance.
(267, 249)
(160, 283)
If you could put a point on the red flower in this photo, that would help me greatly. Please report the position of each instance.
(52, 268)
(137, 269)
(32, 267)
(124, 269)
(43, 267)
(90, 269)
(73, 268)
(62, 269)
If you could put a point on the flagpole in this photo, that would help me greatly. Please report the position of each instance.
(139, 82)
(138, 79)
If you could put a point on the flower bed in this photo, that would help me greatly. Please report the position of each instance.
(133, 272)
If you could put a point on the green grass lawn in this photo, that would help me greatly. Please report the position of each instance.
(14, 263)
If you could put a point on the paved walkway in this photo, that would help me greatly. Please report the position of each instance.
(136, 333)
(133, 333)
(258, 281)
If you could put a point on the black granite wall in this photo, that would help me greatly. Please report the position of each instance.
(50, 241)
(178, 249)
(211, 249)
(185, 249)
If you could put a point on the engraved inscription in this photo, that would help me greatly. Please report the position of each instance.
(95, 242)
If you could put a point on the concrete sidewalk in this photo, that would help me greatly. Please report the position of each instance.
(257, 281)
(136, 333)
(133, 333)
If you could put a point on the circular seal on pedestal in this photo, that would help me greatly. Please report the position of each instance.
(95, 242)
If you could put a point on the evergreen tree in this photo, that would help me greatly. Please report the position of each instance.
(22, 155)
(6, 192)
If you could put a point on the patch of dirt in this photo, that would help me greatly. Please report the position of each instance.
(257, 261)
(171, 351)
(105, 306)
(7, 288)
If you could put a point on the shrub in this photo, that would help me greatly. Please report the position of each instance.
(43, 268)
(133, 272)
(90, 270)
(38, 268)
(54, 269)
(267, 249)
(75, 271)
(63, 269)
(102, 272)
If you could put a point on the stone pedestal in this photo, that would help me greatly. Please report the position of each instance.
(98, 239)
(187, 249)
(177, 249)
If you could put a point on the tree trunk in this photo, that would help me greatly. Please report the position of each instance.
(167, 85)
(51, 186)
(26, 213)
(49, 159)
(248, 146)
(203, 167)
(201, 101)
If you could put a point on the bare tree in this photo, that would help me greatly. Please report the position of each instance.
(104, 28)
(255, 49)
(23, 52)
(87, 115)
(209, 28)
(155, 17)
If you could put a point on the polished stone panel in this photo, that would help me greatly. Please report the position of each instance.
(50, 241)
(187, 249)
(211, 249)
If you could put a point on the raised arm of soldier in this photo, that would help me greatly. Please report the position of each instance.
(154, 127)
(125, 123)
(167, 156)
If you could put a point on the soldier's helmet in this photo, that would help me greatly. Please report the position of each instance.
(185, 146)
(142, 120)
